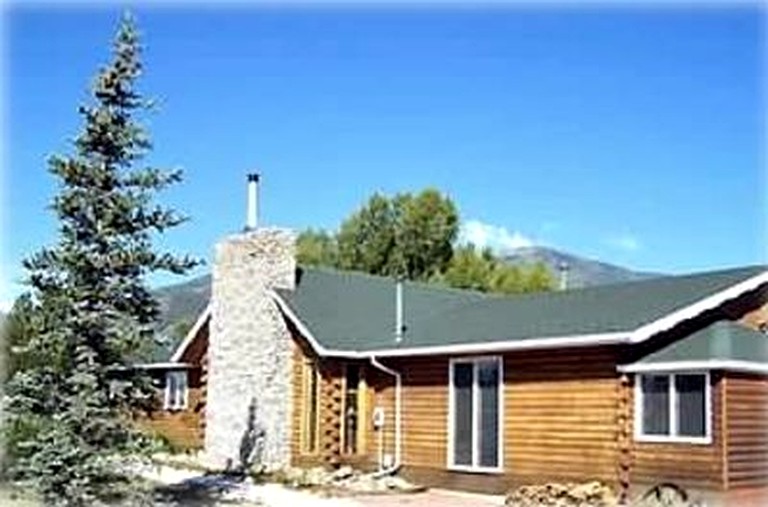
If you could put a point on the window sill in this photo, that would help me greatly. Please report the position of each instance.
(475, 470)
(661, 439)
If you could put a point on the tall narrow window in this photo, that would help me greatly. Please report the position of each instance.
(351, 408)
(655, 389)
(176, 390)
(311, 420)
(475, 400)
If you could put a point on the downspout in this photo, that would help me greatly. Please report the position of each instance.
(398, 406)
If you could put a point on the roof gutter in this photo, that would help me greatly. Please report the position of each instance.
(696, 365)
(398, 415)
(510, 345)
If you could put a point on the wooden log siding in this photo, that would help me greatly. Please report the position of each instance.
(559, 418)
(203, 395)
(180, 427)
(331, 405)
(746, 430)
(624, 440)
(697, 466)
(562, 420)
(378, 393)
(299, 456)
(184, 429)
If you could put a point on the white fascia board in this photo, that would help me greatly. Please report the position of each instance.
(163, 366)
(306, 333)
(706, 365)
(668, 321)
(509, 345)
(201, 319)
(152, 366)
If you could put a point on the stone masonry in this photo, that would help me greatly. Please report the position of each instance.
(249, 364)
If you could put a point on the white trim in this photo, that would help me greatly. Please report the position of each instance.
(176, 357)
(306, 333)
(509, 345)
(163, 366)
(450, 456)
(644, 332)
(704, 365)
(674, 422)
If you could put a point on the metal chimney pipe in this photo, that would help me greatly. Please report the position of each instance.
(252, 217)
(563, 267)
(399, 326)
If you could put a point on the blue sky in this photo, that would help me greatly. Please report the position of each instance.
(631, 135)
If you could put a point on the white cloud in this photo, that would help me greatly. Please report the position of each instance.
(498, 238)
(626, 242)
(5, 306)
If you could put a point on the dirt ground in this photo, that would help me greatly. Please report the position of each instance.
(430, 498)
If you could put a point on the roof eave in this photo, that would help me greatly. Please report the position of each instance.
(191, 334)
(665, 323)
(734, 365)
(551, 342)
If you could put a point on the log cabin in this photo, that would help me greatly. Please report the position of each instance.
(660, 380)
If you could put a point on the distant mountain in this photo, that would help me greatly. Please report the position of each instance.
(183, 302)
(582, 272)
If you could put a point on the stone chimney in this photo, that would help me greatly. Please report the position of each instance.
(249, 351)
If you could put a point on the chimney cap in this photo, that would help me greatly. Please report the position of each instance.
(253, 177)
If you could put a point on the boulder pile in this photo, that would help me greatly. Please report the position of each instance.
(590, 494)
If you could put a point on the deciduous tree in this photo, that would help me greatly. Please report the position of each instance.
(407, 235)
(317, 248)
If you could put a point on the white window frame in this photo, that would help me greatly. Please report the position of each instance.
(171, 400)
(474, 361)
(674, 420)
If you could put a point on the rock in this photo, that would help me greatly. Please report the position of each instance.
(398, 483)
(342, 473)
(591, 494)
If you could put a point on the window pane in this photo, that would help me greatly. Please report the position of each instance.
(171, 389)
(181, 384)
(311, 383)
(691, 412)
(489, 413)
(181, 387)
(462, 418)
(351, 409)
(655, 394)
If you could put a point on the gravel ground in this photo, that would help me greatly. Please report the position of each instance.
(191, 488)
(183, 487)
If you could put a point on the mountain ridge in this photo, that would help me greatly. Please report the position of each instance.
(581, 271)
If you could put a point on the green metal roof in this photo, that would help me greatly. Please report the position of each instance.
(356, 312)
(722, 341)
